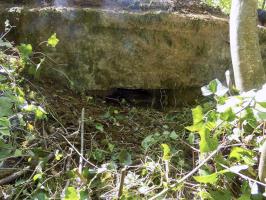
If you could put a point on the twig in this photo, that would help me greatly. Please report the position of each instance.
(29, 179)
(189, 174)
(67, 169)
(82, 140)
(74, 148)
(122, 180)
(14, 176)
(243, 176)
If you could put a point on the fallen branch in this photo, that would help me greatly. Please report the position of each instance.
(14, 176)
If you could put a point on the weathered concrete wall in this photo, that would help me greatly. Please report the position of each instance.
(101, 49)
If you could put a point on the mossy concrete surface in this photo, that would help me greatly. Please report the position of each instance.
(104, 49)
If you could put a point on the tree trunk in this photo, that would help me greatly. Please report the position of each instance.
(244, 44)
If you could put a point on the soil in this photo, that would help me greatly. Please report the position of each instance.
(119, 121)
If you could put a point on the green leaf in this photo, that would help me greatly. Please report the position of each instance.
(37, 177)
(197, 114)
(71, 194)
(207, 143)
(242, 154)
(40, 196)
(53, 41)
(99, 127)
(25, 50)
(221, 195)
(228, 115)
(6, 105)
(211, 179)
(40, 112)
(195, 127)
(147, 142)
(84, 195)
(125, 157)
(173, 135)
(98, 154)
(4, 126)
(191, 138)
(166, 152)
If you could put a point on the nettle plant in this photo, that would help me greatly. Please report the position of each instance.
(231, 131)
(18, 109)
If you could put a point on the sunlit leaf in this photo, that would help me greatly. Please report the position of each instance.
(228, 115)
(53, 41)
(242, 154)
(37, 176)
(197, 114)
(238, 168)
(166, 152)
(214, 87)
(208, 143)
(71, 194)
(212, 178)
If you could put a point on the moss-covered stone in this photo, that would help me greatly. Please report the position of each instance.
(104, 49)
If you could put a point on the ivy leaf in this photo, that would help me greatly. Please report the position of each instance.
(166, 152)
(37, 177)
(173, 135)
(99, 127)
(4, 126)
(197, 114)
(195, 127)
(125, 157)
(147, 142)
(71, 194)
(52, 41)
(214, 87)
(228, 115)
(211, 179)
(242, 154)
(6, 105)
(207, 143)
(25, 50)
(40, 196)
(221, 195)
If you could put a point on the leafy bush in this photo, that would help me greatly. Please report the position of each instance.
(225, 4)
(234, 129)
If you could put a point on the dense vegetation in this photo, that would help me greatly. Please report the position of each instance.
(225, 4)
(209, 153)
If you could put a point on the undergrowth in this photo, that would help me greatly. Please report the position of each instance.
(119, 151)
